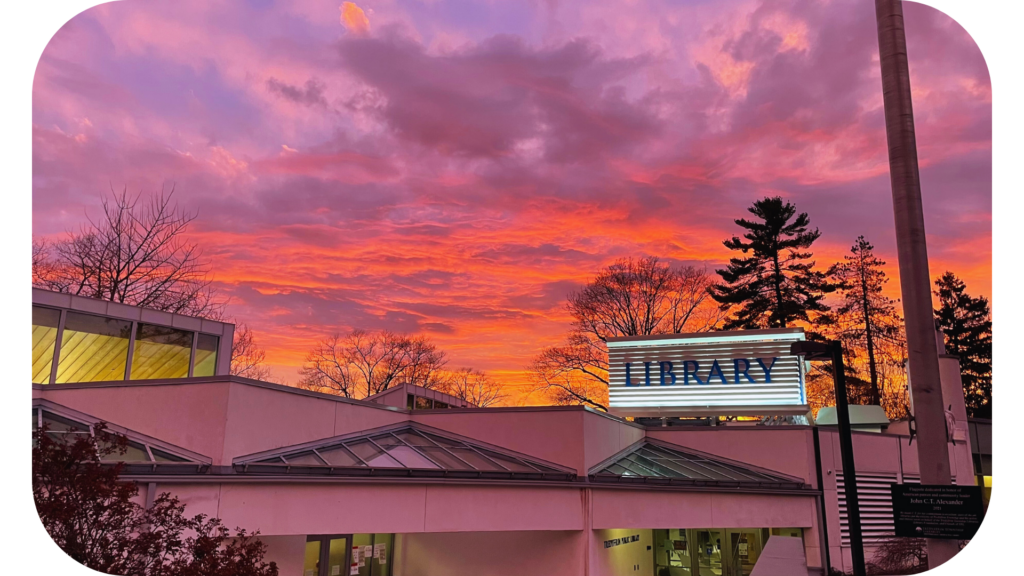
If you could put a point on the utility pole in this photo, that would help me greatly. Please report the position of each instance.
(915, 281)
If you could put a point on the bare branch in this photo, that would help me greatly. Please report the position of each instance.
(136, 254)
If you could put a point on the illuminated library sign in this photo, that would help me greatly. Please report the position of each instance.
(745, 372)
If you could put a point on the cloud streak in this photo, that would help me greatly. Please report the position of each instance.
(458, 172)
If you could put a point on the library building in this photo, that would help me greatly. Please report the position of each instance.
(412, 482)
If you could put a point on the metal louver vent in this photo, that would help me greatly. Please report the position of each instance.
(875, 499)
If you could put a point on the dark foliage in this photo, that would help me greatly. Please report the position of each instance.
(967, 324)
(774, 283)
(95, 517)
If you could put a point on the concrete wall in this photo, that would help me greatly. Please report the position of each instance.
(490, 554)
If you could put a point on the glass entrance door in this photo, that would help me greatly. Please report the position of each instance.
(349, 555)
(326, 556)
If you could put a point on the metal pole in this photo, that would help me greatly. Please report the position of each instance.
(915, 281)
(849, 470)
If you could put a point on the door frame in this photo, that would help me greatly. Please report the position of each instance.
(325, 551)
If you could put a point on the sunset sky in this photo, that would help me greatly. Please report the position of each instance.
(454, 168)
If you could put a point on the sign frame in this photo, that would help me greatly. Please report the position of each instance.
(729, 373)
(944, 512)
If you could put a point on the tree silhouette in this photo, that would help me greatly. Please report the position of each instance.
(135, 254)
(967, 324)
(630, 297)
(774, 284)
(864, 317)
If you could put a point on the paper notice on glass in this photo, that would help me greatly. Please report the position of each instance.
(378, 551)
(367, 551)
(336, 570)
(354, 570)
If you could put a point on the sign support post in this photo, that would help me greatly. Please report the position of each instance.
(833, 351)
(849, 469)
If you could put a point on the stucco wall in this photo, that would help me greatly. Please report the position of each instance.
(491, 554)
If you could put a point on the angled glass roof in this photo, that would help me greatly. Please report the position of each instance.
(143, 454)
(408, 449)
(661, 463)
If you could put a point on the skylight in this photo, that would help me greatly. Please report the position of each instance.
(660, 463)
(407, 450)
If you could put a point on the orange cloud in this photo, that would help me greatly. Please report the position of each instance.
(353, 18)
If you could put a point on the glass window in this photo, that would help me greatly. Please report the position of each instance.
(311, 563)
(206, 355)
(445, 459)
(160, 352)
(424, 403)
(339, 456)
(134, 452)
(409, 401)
(93, 349)
(373, 455)
(476, 460)
(439, 405)
(304, 459)
(44, 337)
(337, 550)
(409, 457)
(161, 456)
(380, 563)
(371, 554)
(511, 464)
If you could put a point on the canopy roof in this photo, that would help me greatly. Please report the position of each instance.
(408, 449)
(143, 455)
(653, 462)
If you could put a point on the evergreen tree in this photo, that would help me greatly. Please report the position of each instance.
(967, 324)
(864, 317)
(774, 284)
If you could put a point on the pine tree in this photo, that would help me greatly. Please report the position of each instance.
(967, 324)
(775, 285)
(865, 317)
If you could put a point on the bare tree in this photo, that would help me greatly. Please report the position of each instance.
(247, 356)
(136, 254)
(362, 363)
(631, 297)
(472, 386)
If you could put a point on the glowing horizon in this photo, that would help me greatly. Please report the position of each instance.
(455, 168)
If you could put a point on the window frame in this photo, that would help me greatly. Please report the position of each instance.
(126, 377)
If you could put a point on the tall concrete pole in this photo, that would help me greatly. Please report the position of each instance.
(915, 282)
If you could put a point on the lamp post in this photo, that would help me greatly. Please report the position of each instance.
(833, 351)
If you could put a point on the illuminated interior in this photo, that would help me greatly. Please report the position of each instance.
(160, 352)
(206, 355)
(44, 337)
(93, 349)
